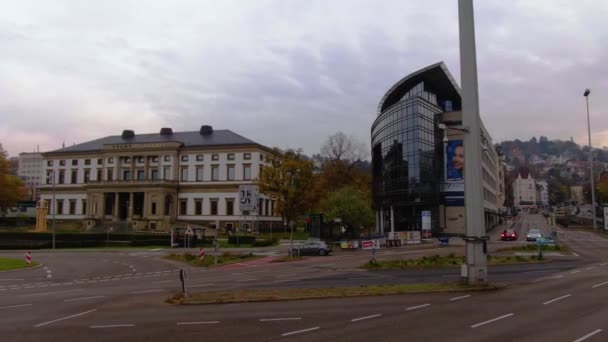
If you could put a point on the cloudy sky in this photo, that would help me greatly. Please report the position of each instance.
(287, 73)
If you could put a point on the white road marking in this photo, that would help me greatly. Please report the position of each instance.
(589, 268)
(112, 326)
(14, 306)
(280, 319)
(604, 264)
(162, 281)
(148, 291)
(46, 293)
(574, 272)
(82, 298)
(600, 284)
(575, 254)
(364, 318)
(286, 275)
(557, 276)
(459, 298)
(416, 307)
(249, 279)
(300, 331)
(64, 318)
(588, 335)
(66, 284)
(492, 320)
(200, 285)
(556, 299)
(11, 279)
(193, 323)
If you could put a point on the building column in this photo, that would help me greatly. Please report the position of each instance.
(392, 221)
(382, 220)
(115, 215)
(130, 214)
(147, 168)
(102, 207)
(377, 221)
(133, 176)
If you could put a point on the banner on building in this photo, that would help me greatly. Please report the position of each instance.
(605, 218)
(453, 187)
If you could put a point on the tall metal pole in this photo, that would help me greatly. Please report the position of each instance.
(54, 210)
(587, 92)
(476, 258)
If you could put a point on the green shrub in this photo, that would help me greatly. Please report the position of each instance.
(265, 243)
(246, 240)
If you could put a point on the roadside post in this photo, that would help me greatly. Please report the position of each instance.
(28, 257)
(183, 278)
(215, 249)
(540, 242)
(201, 254)
(108, 236)
(374, 254)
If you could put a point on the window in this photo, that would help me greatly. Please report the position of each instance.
(74, 162)
(167, 158)
(213, 207)
(215, 173)
(87, 176)
(74, 177)
(49, 163)
(155, 159)
(50, 177)
(229, 206)
(247, 172)
(271, 208)
(141, 175)
(199, 157)
(198, 206)
(126, 175)
(61, 177)
(215, 157)
(260, 202)
(84, 207)
(167, 172)
(140, 160)
(261, 157)
(184, 174)
(247, 156)
(87, 162)
(199, 173)
(230, 172)
(230, 156)
(59, 207)
(62, 163)
(110, 173)
(154, 174)
(153, 208)
(185, 158)
(111, 160)
(99, 161)
(183, 206)
(127, 160)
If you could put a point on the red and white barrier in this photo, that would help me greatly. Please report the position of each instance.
(201, 254)
(28, 257)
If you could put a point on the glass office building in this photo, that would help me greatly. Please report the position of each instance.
(407, 148)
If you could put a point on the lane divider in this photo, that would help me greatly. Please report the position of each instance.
(491, 320)
(556, 299)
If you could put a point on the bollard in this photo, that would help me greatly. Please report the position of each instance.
(28, 257)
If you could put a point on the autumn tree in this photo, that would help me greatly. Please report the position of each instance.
(287, 177)
(352, 207)
(11, 187)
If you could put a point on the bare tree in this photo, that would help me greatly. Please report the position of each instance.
(342, 148)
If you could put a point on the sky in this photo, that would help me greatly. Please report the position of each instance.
(288, 73)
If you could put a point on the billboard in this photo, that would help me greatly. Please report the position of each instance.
(605, 218)
(453, 189)
(248, 197)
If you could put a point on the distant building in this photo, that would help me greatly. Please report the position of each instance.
(13, 165)
(542, 192)
(576, 194)
(524, 191)
(30, 172)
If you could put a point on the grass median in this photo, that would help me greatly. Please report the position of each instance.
(7, 264)
(534, 248)
(269, 295)
(450, 260)
(209, 260)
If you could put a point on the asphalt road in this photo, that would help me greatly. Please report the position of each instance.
(119, 296)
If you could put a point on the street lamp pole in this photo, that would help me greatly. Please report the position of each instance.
(586, 94)
(54, 209)
(475, 270)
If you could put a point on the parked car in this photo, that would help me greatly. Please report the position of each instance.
(310, 248)
(533, 234)
(508, 234)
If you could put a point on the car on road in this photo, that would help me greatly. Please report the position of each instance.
(310, 248)
(508, 234)
(533, 234)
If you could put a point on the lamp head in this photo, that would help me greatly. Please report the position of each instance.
(587, 92)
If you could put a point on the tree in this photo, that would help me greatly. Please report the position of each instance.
(602, 192)
(352, 207)
(11, 187)
(288, 179)
(341, 148)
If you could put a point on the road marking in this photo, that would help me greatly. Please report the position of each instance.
(604, 264)
(200, 285)
(416, 307)
(589, 268)
(280, 319)
(575, 254)
(14, 306)
(11, 279)
(574, 272)
(364, 318)
(161, 281)
(148, 291)
(459, 298)
(244, 280)
(557, 276)
(112, 326)
(556, 299)
(46, 293)
(82, 298)
(600, 284)
(300, 331)
(193, 323)
(588, 335)
(286, 275)
(64, 318)
(492, 320)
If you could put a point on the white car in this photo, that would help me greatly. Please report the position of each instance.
(533, 234)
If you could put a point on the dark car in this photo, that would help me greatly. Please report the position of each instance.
(508, 234)
(311, 248)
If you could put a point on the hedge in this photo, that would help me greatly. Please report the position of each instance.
(245, 239)
(265, 243)
(19, 240)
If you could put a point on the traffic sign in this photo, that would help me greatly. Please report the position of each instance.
(189, 231)
(248, 197)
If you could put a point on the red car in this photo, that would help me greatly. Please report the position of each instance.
(508, 234)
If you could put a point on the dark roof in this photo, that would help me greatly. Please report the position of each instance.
(437, 79)
(188, 139)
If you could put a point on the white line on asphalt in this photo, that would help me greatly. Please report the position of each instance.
(491, 320)
(589, 268)
(280, 319)
(161, 281)
(575, 254)
(574, 272)
(300, 331)
(149, 291)
(45, 293)
(556, 299)
(604, 264)
(11, 279)
(417, 307)
(600, 284)
(193, 323)
(64, 318)
(66, 284)
(459, 298)
(14, 306)
(200, 285)
(82, 298)
(588, 335)
(112, 326)
(364, 318)
(249, 279)
(557, 276)
(286, 275)
(42, 285)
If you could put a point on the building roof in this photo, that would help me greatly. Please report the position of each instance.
(188, 139)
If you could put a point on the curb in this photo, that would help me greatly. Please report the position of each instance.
(22, 269)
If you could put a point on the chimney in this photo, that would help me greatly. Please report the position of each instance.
(206, 130)
(128, 134)
(166, 131)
